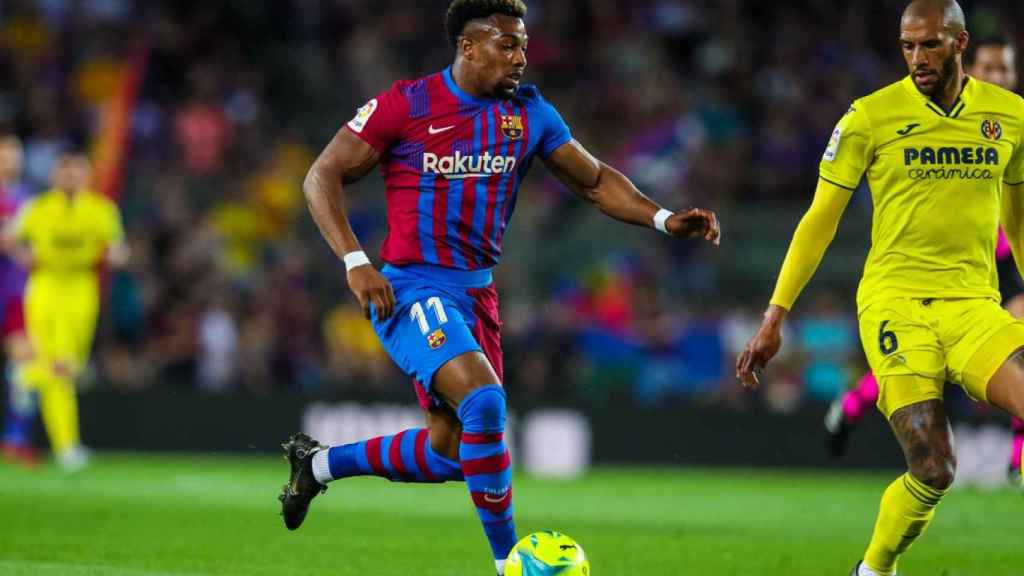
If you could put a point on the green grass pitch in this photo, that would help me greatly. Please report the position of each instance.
(148, 515)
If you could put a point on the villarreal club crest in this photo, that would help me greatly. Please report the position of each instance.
(992, 129)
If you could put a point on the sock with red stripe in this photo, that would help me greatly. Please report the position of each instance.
(860, 398)
(486, 466)
(404, 457)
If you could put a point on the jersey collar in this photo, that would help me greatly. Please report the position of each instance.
(462, 95)
(958, 106)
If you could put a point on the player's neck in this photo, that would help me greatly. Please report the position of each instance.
(951, 94)
(462, 77)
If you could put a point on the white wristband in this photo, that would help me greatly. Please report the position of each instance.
(660, 218)
(355, 259)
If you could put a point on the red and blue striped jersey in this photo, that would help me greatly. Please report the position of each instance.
(452, 164)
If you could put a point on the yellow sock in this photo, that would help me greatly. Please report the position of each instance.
(907, 508)
(59, 408)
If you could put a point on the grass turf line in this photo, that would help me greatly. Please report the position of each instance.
(149, 515)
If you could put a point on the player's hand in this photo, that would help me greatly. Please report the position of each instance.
(761, 348)
(695, 223)
(23, 256)
(371, 287)
(117, 255)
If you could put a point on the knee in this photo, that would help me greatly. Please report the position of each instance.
(483, 409)
(937, 472)
(445, 442)
(1016, 406)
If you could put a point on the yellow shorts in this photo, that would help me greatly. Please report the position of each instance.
(60, 316)
(915, 346)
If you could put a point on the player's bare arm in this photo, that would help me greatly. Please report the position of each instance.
(345, 160)
(614, 194)
(812, 237)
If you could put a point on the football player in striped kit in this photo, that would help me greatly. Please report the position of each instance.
(453, 148)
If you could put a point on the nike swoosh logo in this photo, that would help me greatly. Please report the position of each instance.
(433, 130)
(907, 130)
(493, 500)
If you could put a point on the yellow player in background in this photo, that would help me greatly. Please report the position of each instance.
(64, 236)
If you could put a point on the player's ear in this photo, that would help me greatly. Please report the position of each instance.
(466, 47)
(962, 40)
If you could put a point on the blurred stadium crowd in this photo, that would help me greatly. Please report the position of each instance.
(724, 103)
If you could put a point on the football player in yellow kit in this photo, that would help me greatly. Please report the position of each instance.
(64, 235)
(943, 154)
(992, 60)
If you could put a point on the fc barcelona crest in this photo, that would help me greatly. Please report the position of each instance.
(512, 127)
(992, 129)
(436, 339)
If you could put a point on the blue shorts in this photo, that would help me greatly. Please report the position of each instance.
(440, 314)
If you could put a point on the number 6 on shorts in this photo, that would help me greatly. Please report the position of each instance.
(887, 342)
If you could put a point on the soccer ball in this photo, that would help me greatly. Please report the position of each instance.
(547, 553)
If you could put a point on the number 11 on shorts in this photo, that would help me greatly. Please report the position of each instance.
(419, 315)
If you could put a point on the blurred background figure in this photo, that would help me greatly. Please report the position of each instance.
(62, 237)
(21, 400)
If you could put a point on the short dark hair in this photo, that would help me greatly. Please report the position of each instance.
(972, 47)
(462, 11)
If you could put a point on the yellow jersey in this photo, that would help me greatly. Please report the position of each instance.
(68, 235)
(936, 183)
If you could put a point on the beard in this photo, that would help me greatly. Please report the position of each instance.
(947, 72)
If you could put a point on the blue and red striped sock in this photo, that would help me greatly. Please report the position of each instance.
(404, 457)
(486, 466)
